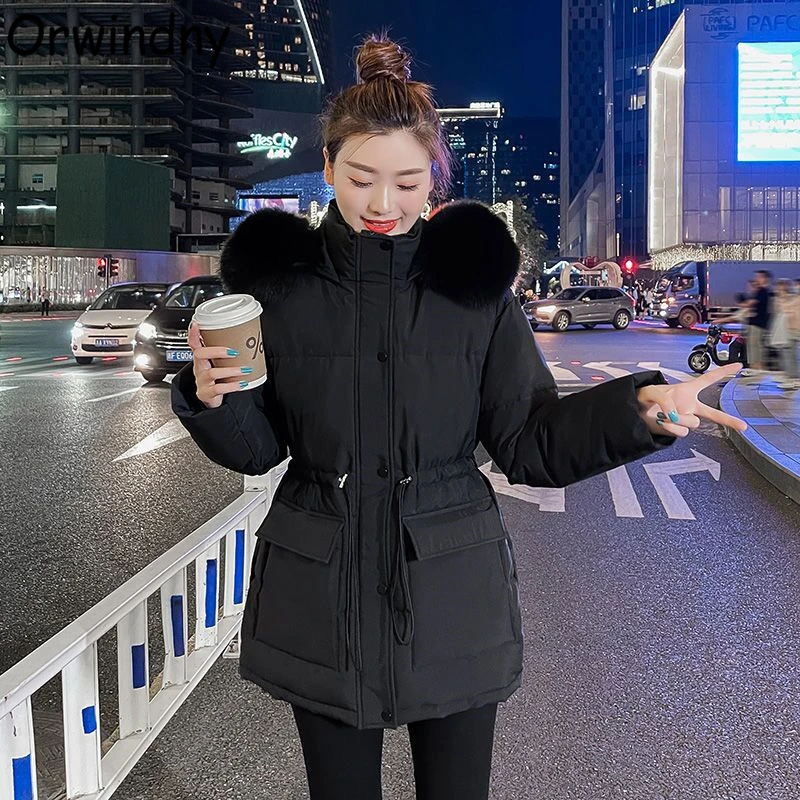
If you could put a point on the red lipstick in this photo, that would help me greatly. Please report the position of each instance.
(380, 226)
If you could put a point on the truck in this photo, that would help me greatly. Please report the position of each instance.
(699, 291)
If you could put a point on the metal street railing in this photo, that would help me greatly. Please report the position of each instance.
(145, 705)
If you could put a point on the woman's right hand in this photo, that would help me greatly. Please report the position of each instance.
(210, 390)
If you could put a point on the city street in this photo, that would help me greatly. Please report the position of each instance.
(659, 601)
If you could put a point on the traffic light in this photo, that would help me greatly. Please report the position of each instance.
(114, 267)
(101, 268)
(629, 265)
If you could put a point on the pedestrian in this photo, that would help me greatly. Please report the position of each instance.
(45, 306)
(383, 587)
(759, 322)
(783, 332)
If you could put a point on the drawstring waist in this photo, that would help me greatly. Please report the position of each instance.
(399, 595)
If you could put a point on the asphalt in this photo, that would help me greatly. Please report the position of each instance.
(662, 650)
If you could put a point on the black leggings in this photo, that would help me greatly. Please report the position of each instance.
(452, 756)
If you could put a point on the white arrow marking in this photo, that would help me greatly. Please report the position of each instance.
(626, 504)
(661, 473)
(8, 388)
(168, 433)
(547, 499)
(561, 374)
(602, 366)
(673, 373)
(109, 396)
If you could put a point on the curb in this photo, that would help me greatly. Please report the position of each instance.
(770, 462)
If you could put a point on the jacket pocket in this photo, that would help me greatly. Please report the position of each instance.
(460, 582)
(299, 596)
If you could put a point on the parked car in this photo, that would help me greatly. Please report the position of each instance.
(109, 324)
(587, 305)
(161, 345)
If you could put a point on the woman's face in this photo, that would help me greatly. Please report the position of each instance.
(381, 181)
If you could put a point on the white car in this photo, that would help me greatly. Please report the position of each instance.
(108, 326)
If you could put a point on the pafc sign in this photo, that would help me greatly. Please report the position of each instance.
(279, 145)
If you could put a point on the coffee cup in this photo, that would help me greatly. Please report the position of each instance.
(234, 321)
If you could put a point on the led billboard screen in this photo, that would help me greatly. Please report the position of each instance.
(249, 203)
(769, 101)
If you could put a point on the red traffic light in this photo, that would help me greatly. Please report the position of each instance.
(629, 265)
(114, 267)
(101, 262)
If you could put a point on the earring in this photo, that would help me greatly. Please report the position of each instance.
(426, 209)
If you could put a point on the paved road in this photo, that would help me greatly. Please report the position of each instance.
(661, 623)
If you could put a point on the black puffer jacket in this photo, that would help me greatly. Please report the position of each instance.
(384, 587)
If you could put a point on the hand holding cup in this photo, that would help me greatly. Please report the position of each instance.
(210, 388)
(227, 328)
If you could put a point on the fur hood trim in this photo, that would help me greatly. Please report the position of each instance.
(465, 253)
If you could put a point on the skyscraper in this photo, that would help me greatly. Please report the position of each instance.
(291, 39)
(157, 103)
(473, 136)
(604, 120)
(528, 167)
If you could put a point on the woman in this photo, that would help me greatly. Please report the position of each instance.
(783, 333)
(383, 589)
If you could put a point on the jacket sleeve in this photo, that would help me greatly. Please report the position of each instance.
(537, 439)
(237, 435)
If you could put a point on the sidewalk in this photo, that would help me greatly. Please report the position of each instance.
(772, 441)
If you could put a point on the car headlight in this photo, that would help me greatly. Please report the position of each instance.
(77, 326)
(547, 309)
(671, 301)
(664, 305)
(147, 331)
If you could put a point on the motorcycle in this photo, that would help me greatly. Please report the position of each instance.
(702, 355)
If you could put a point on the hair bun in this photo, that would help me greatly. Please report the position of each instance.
(380, 57)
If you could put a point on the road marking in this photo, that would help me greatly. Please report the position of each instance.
(661, 473)
(561, 374)
(552, 500)
(8, 388)
(109, 396)
(626, 504)
(673, 373)
(603, 366)
(168, 433)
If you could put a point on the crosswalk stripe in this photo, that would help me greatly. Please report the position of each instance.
(561, 374)
(673, 373)
(603, 366)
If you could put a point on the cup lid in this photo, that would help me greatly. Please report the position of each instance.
(226, 311)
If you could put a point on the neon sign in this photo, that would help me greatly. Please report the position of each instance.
(279, 145)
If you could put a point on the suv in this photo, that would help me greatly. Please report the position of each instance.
(108, 325)
(588, 305)
(161, 345)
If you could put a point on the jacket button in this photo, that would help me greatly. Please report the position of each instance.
(383, 472)
(387, 716)
(382, 588)
(383, 356)
(386, 245)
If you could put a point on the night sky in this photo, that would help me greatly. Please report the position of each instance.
(507, 50)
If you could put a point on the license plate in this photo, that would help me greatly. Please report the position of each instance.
(106, 342)
(179, 355)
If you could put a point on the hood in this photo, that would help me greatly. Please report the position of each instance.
(117, 318)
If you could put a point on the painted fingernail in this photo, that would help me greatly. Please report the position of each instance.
(661, 416)
(232, 352)
(247, 370)
(242, 384)
(673, 416)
